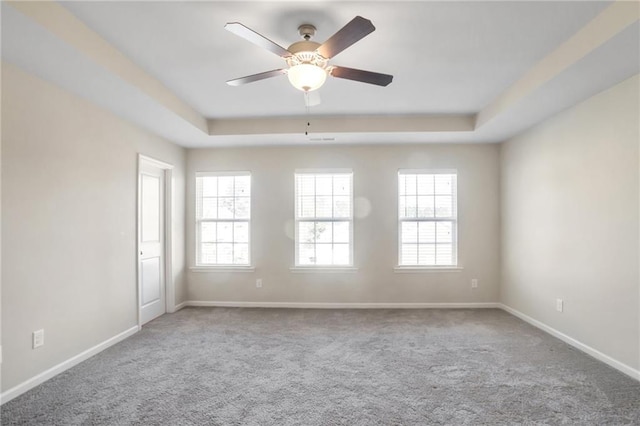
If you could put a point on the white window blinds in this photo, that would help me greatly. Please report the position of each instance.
(427, 218)
(223, 218)
(324, 219)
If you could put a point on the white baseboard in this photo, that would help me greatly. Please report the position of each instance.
(65, 365)
(339, 305)
(180, 306)
(629, 371)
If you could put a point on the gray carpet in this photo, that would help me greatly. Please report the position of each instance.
(226, 366)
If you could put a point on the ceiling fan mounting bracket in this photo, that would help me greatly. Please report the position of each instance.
(307, 31)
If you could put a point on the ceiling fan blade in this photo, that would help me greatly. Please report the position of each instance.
(361, 75)
(255, 77)
(355, 30)
(257, 39)
(312, 98)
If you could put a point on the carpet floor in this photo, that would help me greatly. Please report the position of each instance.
(234, 366)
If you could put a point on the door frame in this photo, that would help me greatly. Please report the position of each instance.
(169, 287)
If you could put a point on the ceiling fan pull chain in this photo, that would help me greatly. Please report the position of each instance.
(306, 107)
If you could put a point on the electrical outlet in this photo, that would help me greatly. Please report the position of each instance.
(559, 305)
(474, 283)
(259, 283)
(38, 338)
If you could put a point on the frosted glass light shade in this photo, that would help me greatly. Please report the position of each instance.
(306, 77)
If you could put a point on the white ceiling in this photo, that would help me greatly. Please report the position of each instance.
(447, 58)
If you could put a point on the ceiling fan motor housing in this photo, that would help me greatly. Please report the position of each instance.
(304, 52)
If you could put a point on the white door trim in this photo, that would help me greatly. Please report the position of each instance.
(170, 291)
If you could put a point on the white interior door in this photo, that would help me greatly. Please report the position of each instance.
(151, 265)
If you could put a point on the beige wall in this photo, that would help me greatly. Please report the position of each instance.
(375, 235)
(570, 222)
(69, 179)
(568, 226)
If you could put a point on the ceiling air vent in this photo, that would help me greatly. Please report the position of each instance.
(322, 139)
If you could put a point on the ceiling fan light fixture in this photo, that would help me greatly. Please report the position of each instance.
(308, 61)
(307, 77)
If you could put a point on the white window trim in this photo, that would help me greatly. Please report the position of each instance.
(428, 171)
(425, 269)
(403, 269)
(224, 173)
(333, 171)
(223, 267)
(323, 268)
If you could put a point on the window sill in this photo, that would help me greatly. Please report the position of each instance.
(425, 269)
(323, 269)
(222, 269)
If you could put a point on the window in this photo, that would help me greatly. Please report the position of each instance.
(223, 218)
(324, 219)
(427, 218)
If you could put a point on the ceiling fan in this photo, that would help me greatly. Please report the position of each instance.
(308, 61)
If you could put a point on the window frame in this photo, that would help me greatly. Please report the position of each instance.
(323, 267)
(199, 265)
(455, 265)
